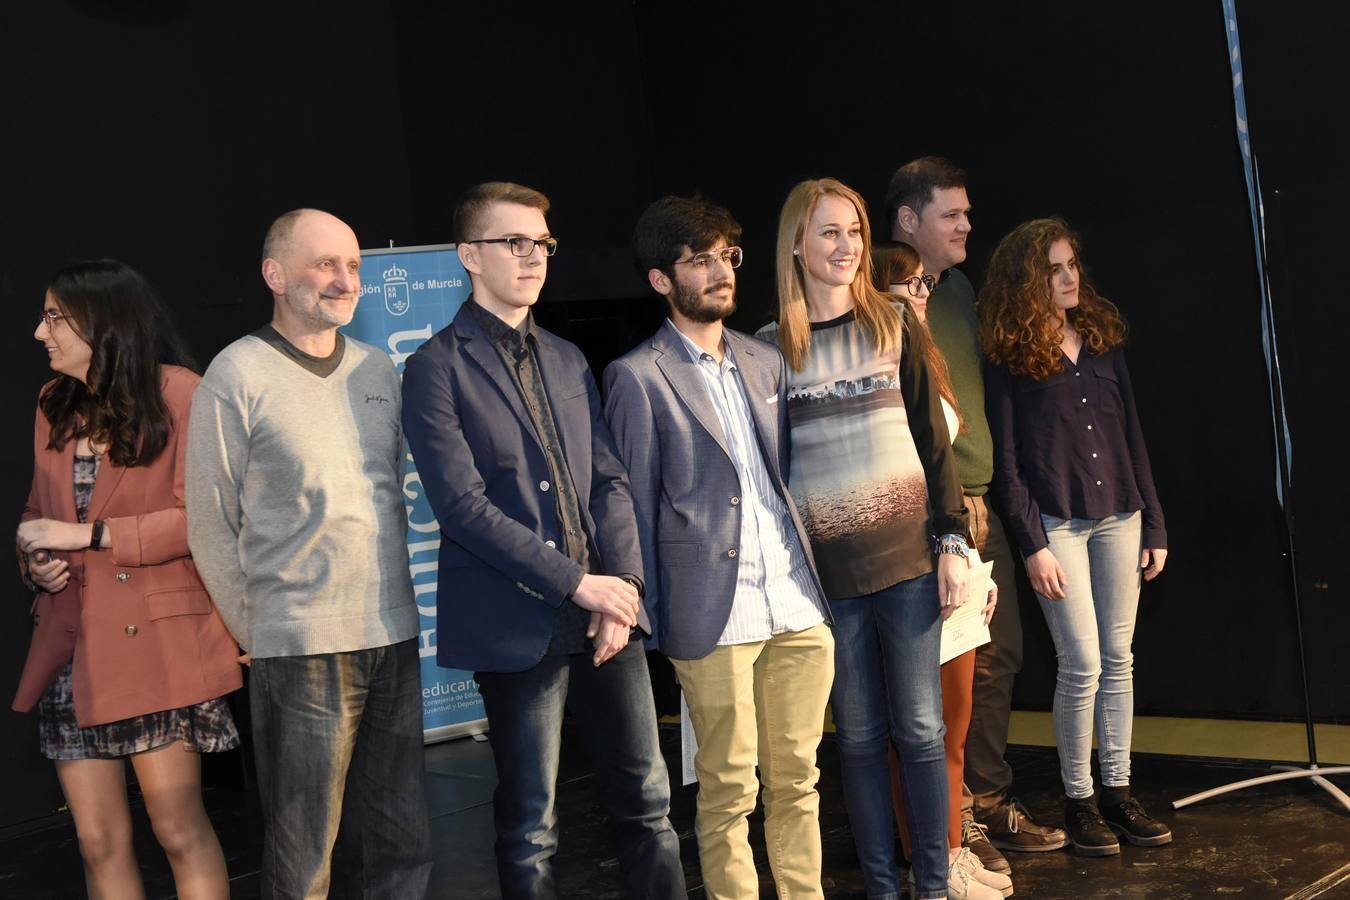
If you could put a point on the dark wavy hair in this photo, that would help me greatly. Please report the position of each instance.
(670, 224)
(1019, 324)
(120, 404)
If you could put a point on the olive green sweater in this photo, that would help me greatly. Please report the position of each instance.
(956, 331)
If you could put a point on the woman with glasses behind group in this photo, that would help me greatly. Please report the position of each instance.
(129, 659)
(899, 271)
(869, 452)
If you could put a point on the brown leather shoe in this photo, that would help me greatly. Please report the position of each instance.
(1010, 827)
(976, 841)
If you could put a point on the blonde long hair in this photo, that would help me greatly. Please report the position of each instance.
(871, 306)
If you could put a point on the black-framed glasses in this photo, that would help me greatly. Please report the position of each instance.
(522, 246)
(51, 317)
(912, 283)
(732, 256)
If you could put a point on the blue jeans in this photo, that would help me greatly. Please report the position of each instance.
(338, 741)
(887, 686)
(1093, 629)
(613, 709)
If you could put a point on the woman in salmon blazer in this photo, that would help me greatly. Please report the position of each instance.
(129, 659)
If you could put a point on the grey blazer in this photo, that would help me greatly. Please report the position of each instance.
(685, 486)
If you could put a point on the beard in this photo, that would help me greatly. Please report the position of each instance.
(696, 307)
(314, 308)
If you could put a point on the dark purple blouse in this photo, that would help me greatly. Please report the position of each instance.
(1070, 447)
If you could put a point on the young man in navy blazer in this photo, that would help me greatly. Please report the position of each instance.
(540, 568)
(700, 415)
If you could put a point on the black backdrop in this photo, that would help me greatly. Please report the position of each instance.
(171, 136)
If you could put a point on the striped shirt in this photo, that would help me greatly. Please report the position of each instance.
(775, 592)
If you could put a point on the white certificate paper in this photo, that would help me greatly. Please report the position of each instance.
(965, 630)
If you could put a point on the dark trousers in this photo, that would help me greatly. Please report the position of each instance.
(338, 742)
(612, 707)
(988, 775)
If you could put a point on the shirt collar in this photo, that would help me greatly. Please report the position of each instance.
(697, 353)
(499, 331)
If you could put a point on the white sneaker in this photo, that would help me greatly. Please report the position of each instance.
(961, 881)
(970, 863)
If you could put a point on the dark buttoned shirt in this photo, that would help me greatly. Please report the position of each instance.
(1070, 447)
(517, 348)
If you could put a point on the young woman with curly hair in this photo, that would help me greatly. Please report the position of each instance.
(1073, 473)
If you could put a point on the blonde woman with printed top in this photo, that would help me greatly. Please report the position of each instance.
(873, 477)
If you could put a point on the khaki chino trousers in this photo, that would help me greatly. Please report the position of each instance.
(759, 703)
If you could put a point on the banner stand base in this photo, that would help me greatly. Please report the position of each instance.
(476, 729)
(1281, 773)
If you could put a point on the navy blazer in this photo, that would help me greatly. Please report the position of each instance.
(502, 577)
(685, 484)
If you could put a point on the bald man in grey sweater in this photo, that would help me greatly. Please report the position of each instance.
(297, 525)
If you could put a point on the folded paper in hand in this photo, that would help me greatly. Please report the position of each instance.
(965, 630)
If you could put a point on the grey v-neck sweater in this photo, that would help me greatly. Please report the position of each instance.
(294, 499)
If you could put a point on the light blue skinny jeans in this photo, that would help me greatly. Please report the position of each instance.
(1093, 630)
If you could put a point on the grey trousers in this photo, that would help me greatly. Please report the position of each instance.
(338, 742)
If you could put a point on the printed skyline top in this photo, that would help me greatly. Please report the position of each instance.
(856, 473)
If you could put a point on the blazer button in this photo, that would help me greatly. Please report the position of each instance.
(550, 545)
(543, 485)
(130, 630)
(123, 576)
(731, 554)
(36, 618)
(735, 501)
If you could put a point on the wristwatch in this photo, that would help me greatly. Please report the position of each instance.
(96, 535)
(954, 544)
(637, 585)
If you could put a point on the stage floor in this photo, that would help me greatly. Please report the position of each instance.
(1279, 841)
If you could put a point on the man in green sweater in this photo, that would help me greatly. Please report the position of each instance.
(930, 211)
(297, 526)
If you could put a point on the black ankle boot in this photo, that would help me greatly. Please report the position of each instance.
(1088, 833)
(1123, 815)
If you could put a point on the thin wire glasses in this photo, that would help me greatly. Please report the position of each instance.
(732, 256)
(51, 317)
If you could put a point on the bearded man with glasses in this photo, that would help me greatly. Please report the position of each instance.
(700, 416)
(540, 567)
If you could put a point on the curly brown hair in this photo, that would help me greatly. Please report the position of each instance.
(1019, 323)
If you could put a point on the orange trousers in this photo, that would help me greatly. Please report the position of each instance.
(958, 679)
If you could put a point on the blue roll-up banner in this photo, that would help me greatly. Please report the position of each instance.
(407, 295)
(1270, 344)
